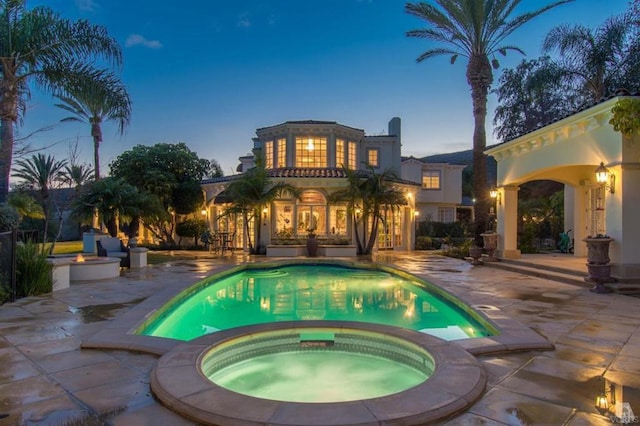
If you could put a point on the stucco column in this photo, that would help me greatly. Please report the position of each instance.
(575, 219)
(507, 226)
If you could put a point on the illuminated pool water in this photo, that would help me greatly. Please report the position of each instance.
(317, 365)
(294, 292)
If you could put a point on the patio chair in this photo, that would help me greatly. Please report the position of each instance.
(114, 247)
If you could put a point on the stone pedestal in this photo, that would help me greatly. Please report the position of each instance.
(138, 257)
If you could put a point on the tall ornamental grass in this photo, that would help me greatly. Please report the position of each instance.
(33, 272)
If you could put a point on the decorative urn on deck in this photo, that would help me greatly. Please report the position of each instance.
(598, 262)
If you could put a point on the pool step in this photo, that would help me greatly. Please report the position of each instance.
(553, 273)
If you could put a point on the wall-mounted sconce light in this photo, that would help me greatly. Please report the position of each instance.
(203, 212)
(358, 212)
(606, 398)
(265, 211)
(496, 195)
(606, 178)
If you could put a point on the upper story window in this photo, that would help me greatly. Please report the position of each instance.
(339, 152)
(373, 157)
(352, 156)
(268, 154)
(431, 179)
(311, 151)
(282, 153)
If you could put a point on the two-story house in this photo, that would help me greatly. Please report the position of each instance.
(311, 155)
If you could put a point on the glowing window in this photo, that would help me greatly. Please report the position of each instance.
(282, 153)
(373, 157)
(431, 179)
(268, 154)
(352, 156)
(311, 151)
(339, 152)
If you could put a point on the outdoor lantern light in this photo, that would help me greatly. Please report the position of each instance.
(606, 178)
(602, 400)
(495, 194)
(264, 212)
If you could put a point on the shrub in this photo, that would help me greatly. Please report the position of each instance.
(33, 271)
(193, 228)
(424, 243)
(9, 217)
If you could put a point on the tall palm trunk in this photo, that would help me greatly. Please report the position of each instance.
(480, 77)
(96, 133)
(8, 116)
(355, 226)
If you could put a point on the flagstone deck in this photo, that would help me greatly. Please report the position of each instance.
(47, 379)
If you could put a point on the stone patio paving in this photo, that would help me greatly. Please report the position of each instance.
(47, 379)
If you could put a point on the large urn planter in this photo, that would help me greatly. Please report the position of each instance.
(475, 253)
(312, 245)
(598, 263)
(490, 240)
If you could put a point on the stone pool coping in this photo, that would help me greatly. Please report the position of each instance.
(456, 383)
(514, 335)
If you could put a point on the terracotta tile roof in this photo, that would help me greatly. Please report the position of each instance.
(300, 172)
(308, 122)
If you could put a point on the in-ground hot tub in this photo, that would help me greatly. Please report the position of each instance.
(317, 372)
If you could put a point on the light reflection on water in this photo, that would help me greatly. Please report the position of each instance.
(314, 292)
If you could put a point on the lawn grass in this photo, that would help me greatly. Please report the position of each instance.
(68, 247)
(74, 247)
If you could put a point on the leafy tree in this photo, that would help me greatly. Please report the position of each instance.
(102, 97)
(626, 116)
(25, 205)
(476, 30)
(250, 193)
(39, 46)
(530, 96)
(215, 170)
(170, 172)
(9, 218)
(41, 173)
(597, 62)
(192, 228)
(111, 197)
(367, 196)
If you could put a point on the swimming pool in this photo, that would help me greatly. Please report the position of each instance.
(298, 291)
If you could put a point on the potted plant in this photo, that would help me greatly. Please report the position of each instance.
(598, 262)
(312, 243)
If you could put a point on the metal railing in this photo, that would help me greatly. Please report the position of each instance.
(8, 242)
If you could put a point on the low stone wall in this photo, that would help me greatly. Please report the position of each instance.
(298, 250)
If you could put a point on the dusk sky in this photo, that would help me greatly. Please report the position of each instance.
(210, 72)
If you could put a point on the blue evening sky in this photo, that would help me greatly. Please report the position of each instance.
(209, 72)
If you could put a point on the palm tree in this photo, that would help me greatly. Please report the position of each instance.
(368, 196)
(76, 175)
(94, 100)
(111, 197)
(39, 46)
(597, 61)
(476, 30)
(41, 173)
(253, 191)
